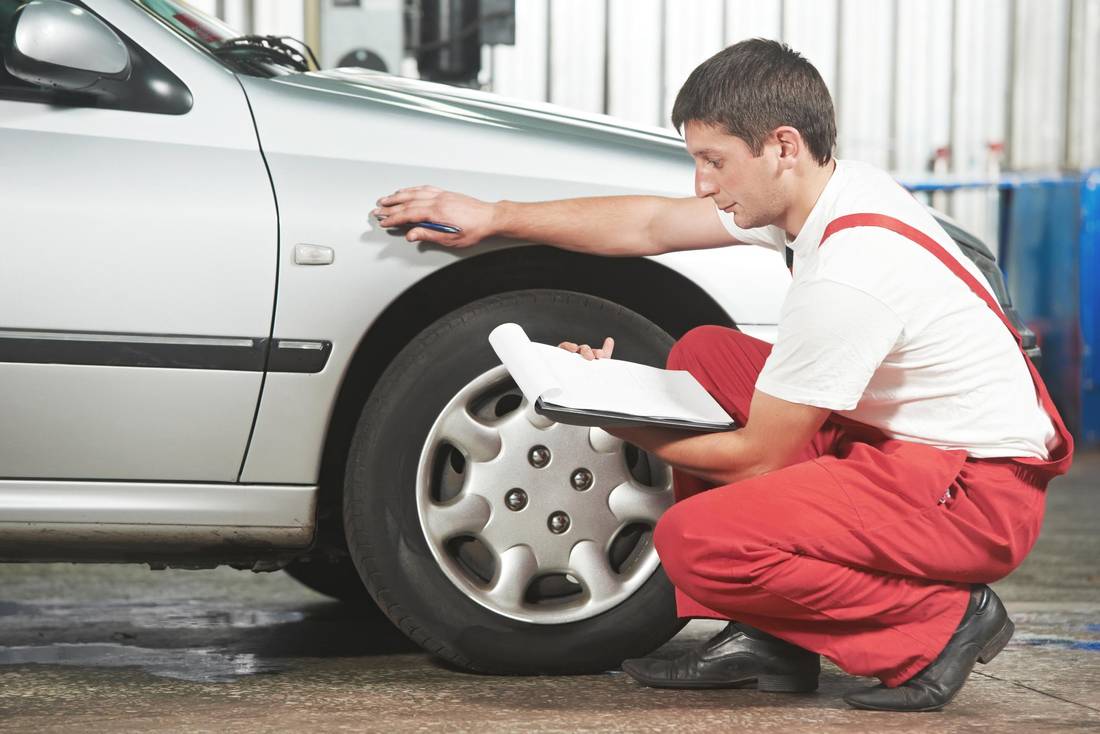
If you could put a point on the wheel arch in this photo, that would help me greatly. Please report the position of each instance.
(630, 282)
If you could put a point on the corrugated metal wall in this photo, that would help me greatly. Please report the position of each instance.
(982, 79)
(1083, 121)
(989, 84)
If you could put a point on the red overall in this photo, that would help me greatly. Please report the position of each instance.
(865, 548)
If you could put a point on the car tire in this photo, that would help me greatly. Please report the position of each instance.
(564, 621)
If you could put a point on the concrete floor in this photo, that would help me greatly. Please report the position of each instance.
(123, 649)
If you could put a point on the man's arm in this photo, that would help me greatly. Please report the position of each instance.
(607, 225)
(776, 431)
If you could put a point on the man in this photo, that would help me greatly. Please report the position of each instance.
(896, 443)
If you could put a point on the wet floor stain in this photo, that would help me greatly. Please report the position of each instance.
(204, 618)
(9, 608)
(191, 640)
(155, 615)
(196, 665)
(1059, 643)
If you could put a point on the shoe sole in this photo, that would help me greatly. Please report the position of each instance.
(697, 684)
(997, 642)
(766, 683)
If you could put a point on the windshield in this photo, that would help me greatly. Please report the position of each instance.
(196, 25)
(253, 55)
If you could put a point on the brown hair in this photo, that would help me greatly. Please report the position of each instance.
(755, 86)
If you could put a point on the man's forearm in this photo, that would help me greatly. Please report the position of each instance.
(722, 458)
(607, 225)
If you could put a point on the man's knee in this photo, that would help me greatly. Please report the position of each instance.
(673, 544)
(687, 546)
(696, 343)
(700, 545)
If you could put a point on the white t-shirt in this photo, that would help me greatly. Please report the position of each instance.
(877, 329)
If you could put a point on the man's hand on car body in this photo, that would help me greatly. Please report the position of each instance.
(405, 207)
(613, 226)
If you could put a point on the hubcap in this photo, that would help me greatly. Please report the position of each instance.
(537, 521)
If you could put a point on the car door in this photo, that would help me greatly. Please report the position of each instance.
(137, 270)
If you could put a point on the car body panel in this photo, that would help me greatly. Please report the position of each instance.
(101, 520)
(132, 223)
(95, 421)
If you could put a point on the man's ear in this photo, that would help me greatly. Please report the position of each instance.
(789, 144)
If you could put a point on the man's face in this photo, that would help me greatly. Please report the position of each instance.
(747, 186)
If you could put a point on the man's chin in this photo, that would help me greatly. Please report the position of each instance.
(743, 220)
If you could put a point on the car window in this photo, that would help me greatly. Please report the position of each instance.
(254, 55)
(190, 22)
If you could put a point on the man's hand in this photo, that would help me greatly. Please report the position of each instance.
(588, 352)
(405, 207)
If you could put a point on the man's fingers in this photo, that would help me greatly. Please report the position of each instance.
(397, 197)
(409, 189)
(402, 196)
(396, 216)
(421, 234)
(603, 352)
(396, 208)
(588, 352)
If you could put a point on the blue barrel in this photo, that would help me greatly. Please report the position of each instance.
(1040, 254)
(1090, 307)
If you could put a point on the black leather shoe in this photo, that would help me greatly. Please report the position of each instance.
(983, 632)
(737, 657)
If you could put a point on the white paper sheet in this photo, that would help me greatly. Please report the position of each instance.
(609, 385)
(511, 344)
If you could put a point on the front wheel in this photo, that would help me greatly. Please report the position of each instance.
(495, 538)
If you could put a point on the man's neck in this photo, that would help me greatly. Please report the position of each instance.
(809, 191)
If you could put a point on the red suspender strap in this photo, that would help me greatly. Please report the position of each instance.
(1062, 454)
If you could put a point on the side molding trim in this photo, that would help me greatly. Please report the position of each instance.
(246, 354)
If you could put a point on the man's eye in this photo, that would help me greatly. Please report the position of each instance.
(716, 164)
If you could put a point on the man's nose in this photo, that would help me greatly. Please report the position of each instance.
(703, 186)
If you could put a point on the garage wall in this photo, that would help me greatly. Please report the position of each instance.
(1083, 142)
(991, 84)
(968, 87)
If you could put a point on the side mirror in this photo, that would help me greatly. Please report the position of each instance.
(57, 44)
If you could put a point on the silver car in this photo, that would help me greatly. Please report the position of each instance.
(208, 354)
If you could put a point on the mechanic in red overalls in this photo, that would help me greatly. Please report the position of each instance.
(896, 442)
